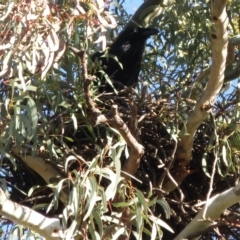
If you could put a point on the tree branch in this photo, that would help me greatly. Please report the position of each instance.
(213, 209)
(204, 105)
(46, 170)
(50, 228)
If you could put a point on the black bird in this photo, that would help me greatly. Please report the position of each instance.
(122, 60)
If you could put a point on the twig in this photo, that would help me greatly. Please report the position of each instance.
(133, 121)
(163, 183)
(216, 150)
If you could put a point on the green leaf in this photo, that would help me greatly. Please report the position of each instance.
(160, 223)
(142, 201)
(40, 206)
(139, 218)
(119, 232)
(33, 115)
(204, 164)
(91, 186)
(75, 123)
(32, 189)
(102, 194)
(69, 158)
(94, 234)
(98, 220)
(54, 201)
(123, 204)
(12, 159)
(71, 230)
(154, 232)
(165, 207)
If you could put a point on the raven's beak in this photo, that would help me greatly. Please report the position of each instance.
(147, 32)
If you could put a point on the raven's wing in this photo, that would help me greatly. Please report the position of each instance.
(127, 49)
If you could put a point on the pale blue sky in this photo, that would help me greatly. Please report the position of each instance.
(132, 5)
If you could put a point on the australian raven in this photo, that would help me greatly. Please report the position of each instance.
(122, 60)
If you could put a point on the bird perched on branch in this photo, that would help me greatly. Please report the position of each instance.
(122, 60)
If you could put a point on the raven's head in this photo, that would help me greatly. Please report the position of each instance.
(131, 41)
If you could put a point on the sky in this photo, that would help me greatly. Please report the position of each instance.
(132, 5)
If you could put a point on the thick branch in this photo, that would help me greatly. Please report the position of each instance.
(203, 107)
(44, 169)
(133, 161)
(215, 207)
(229, 75)
(50, 228)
